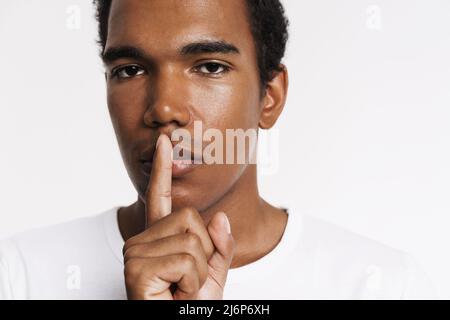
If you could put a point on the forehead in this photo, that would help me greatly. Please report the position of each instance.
(168, 24)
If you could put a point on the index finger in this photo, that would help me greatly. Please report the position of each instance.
(159, 195)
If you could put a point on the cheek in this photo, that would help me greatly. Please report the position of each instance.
(219, 106)
(125, 105)
(230, 105)
(126, 111)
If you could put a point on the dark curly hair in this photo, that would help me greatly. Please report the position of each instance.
(269, 27)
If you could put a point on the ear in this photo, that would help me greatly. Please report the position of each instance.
(274, 99)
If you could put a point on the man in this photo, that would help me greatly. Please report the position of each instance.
(198, 230)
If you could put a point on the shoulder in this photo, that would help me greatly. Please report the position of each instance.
(336, 241)
(40, 253)
(12, 270)
(360, 266)
(56, 236)
(79, 231)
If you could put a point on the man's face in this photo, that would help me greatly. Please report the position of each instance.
(170, 79)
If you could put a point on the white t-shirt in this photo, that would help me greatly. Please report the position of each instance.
(82, 259)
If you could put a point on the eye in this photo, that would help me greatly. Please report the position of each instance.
(128, 71)
(212, 68)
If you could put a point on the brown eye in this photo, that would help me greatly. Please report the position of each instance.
(128, 71)
(212, 68)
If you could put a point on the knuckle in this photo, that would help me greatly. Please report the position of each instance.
(191, 240)
(186, 261)
(130, 253)
(125, 248)
(165, 193)
(128, 244)
(132, 269)
(190, 214)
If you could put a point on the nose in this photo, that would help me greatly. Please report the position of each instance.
(167, 100)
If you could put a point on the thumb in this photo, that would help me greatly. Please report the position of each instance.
(220, 232)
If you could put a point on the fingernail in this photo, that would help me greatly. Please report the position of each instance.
(227, 223)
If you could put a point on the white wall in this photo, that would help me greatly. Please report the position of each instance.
(365, 141)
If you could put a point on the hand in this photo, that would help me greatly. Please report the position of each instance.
(177, 256)
(220, 261)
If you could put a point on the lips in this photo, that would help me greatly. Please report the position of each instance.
(180, 167)
(147, 155)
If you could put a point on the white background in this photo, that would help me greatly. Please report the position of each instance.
(364, 139)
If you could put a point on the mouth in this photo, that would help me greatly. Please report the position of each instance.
(180, 167)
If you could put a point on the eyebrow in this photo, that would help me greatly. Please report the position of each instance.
(209, 47)
(122, 52)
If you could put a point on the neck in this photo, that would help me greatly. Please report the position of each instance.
(257, 227)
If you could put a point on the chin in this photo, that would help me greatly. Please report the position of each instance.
(184, 196)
